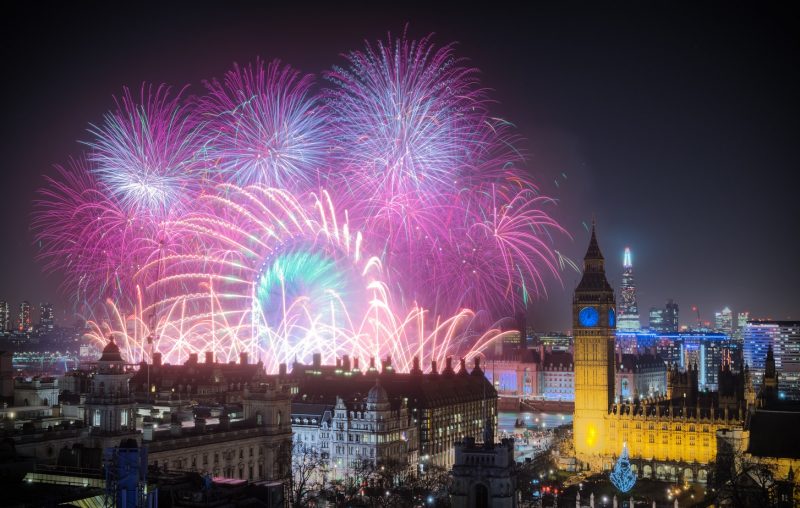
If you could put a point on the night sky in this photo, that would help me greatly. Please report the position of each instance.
(676, 125)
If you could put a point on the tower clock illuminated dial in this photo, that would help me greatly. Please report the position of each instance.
(588, 316)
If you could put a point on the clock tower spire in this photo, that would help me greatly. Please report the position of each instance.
(593, 324)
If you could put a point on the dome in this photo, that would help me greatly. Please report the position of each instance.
(377, 394)
(111, 353)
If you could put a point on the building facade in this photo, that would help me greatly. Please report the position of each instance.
(628, 309)
(356, 434)
(483, 474)
(667, 437)
(24, 324)
(784, 339)
(443, 406)
(593, 324)
(5, 317)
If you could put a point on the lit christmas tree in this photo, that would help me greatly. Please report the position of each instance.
(623, 476)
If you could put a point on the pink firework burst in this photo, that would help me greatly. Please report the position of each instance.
(263, 126)
(146, 152)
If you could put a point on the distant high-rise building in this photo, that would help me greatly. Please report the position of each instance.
(656, 320)
(5, 317)
(671, 317)
(24, 318)
(784, 338)
(46, 317)
(741, 323)
(723, 321)
(628, 319)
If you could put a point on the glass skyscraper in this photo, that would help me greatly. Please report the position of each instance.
(628, 316)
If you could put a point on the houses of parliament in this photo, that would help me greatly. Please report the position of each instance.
(673, 436)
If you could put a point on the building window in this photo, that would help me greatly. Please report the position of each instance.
(123, 420)
(96, 421)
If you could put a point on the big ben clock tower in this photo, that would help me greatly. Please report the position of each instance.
(593, 325)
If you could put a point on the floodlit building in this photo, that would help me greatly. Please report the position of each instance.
(670, 437)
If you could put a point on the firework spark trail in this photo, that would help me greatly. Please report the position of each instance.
(85, 234)
(263, 126)
(146, 151)
(204, 221)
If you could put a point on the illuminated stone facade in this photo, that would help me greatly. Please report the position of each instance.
(672, 436)
(593, 324)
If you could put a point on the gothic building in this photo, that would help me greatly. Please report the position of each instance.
(672, 436)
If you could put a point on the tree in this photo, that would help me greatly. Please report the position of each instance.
(623, 476)
(739, 479)
(305, 480)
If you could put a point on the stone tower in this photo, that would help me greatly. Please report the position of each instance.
(110, 407)
(593, 324)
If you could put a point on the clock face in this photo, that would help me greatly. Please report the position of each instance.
(588, 316)
(611, 317)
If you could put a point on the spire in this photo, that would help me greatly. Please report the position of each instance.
(593, 252)
(594, 276)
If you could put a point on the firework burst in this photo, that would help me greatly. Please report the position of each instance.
(264, 127)
(146, 151)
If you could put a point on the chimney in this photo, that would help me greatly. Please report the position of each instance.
(355, 363)
(209, 357)
(415, 369)
(433, 367)
(192, 359)
(157, 359)
(346, 363)
(317, 359)
(448, 367)
(372, 364)
(464, 367)
(243, 358)
(282, 369)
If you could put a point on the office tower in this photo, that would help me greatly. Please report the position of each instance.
(656, 320)
(784, 338)
(723, 321)
(46, 317)
(628, 310)
(670, 317)
(5, 318)
(24, 318)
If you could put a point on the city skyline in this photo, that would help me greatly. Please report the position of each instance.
(591, 155)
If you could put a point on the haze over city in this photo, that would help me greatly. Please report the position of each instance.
(678, 144)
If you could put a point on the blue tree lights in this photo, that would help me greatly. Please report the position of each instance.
(623, 476)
